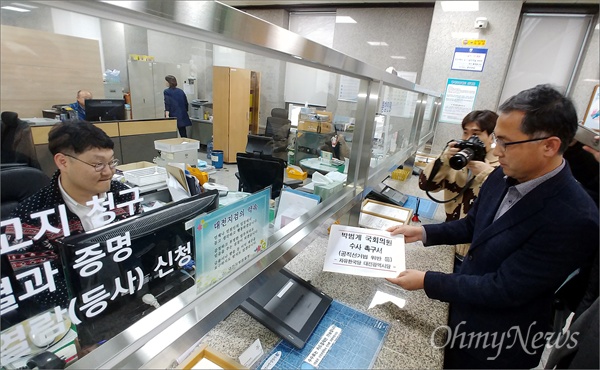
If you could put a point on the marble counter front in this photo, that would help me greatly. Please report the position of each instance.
(408, 343)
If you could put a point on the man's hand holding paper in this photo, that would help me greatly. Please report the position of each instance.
(364, 252)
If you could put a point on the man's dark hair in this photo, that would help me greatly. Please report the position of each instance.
(171, 80)
(486, 119)
(77, 137)
(547, 113)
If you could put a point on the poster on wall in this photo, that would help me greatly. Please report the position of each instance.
(459, 99)
(469, 59)
(592, 112)
(348, 89)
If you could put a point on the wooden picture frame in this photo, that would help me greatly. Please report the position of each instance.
(590, 119)
(204, 352)
(380, 215)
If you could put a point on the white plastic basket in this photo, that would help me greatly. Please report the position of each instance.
(146, 176)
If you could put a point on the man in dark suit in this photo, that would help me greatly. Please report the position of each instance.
(531, 227)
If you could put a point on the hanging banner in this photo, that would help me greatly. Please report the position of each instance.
(459, 99)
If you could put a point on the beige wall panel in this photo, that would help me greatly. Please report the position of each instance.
(130, 128)
(40, 69)
(29, 108)
(30, 47)
(111, 129)
(40, 134)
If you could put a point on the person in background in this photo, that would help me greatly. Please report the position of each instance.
(86, 164)
(176, 105)
(480, 123)
(79, 105)
(532, 226)
(584, 353)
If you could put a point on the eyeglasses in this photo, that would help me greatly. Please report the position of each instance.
(98, 167)
(503, 144)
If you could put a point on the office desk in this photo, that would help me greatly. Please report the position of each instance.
(412, 327)
(315, 164)
(134, 139)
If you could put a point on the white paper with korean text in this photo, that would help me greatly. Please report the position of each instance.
(364, 252)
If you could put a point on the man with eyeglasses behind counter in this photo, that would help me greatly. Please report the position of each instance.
(82, 196)
(531, 227)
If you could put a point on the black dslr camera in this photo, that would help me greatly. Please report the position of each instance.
(472, 149)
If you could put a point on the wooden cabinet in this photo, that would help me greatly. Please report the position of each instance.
(236, 101)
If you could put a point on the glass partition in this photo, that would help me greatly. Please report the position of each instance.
(356, 136)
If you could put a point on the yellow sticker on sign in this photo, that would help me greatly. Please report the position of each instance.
(473, 42)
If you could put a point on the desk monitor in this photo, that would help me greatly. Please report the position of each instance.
(104, 110)
(288, 306)
(160, 266)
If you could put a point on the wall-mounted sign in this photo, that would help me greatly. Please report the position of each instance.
(229, 237)
(469, 59)
(467, 42)
(459, 99)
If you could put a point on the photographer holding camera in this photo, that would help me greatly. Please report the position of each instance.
(462, 167)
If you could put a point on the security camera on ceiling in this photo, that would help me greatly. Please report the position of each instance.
(481, 22)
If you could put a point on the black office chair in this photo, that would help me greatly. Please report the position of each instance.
(257, 172)
(258, 168)
(278, 128)
(18, 182)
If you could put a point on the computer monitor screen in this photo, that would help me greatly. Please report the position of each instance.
(122, 272)
(104, 110)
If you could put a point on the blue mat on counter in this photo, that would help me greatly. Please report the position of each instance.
(356, 347)
(427, 207)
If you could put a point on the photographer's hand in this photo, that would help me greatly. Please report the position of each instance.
(477, 167)
(451, 150)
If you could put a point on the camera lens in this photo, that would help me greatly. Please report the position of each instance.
(460, 159)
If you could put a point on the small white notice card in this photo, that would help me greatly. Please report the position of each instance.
(364, 252)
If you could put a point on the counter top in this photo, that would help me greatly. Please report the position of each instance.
(411, 327)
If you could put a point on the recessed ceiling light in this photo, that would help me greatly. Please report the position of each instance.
(14, 8)
(398, 57)
(377, 43)
(460, 6)
(344, 19)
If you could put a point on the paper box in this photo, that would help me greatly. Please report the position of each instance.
(325, 116)
(327, 190)
(184, 156)
(135, 166)
(176, 145)
(315, 126)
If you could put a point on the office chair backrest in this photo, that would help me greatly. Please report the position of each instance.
(258, 172)
(278, 127)
(18, 182)
(17, 141)
(259, 145)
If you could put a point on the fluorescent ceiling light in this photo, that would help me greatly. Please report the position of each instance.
(344, 19)
(591, 80)
(460, 6)
(377, 43)
(398, 57)
(597, 26)
(14, 8)
(25, 6)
